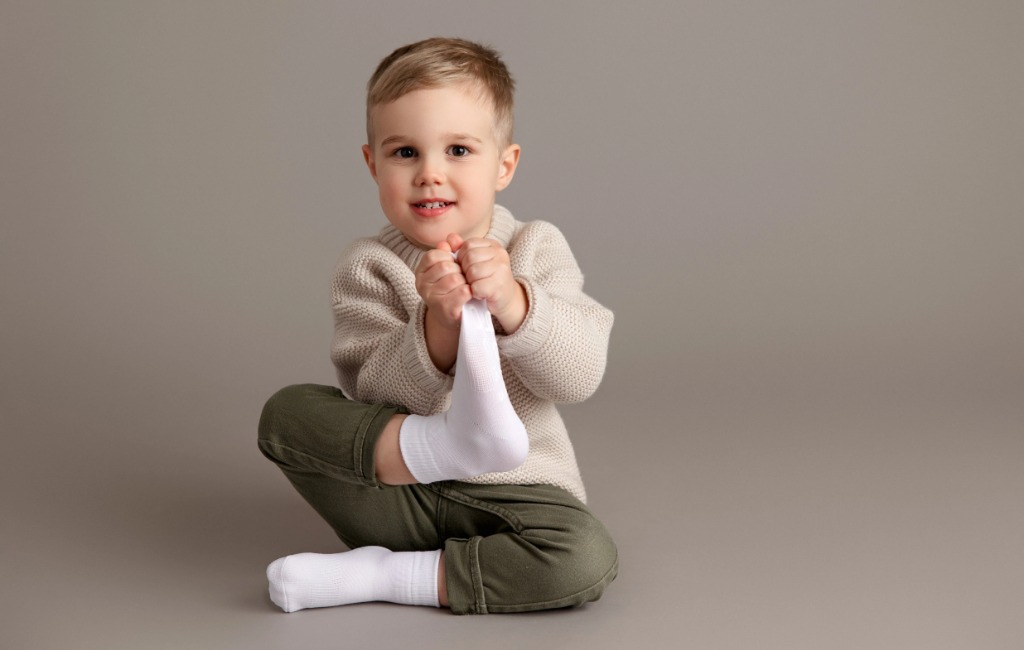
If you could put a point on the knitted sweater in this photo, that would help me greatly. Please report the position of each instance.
(557, 355)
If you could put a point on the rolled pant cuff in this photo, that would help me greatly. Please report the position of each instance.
(462, 575)
(466, 589)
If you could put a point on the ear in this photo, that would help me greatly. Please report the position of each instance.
(368, 157)
(507, 166)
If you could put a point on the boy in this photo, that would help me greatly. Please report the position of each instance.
(442, 461)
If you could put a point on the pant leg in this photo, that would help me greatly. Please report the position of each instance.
(324, 444)
(513, 548)
(508, 548)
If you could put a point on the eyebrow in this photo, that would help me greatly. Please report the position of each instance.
(447, 136)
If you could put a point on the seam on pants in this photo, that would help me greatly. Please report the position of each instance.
(360, 445)
(321, 466)
(448, 492)
(441, 519)
(476, 577)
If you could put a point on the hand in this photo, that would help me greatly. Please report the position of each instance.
(487, 269)
(442, 285)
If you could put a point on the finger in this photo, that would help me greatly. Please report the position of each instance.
(480, 242)
(470, 257)
(429, 259)
(486, 289)
(436, 272)
(460, 297)
(448, 283)
(452, 303)
(432, 258)
(482, 249)
(454, 242)
(477, 271)
(474, 246)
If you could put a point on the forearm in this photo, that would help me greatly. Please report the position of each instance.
(560, 350)
(380, 344)
(392, 367)
(442, 342)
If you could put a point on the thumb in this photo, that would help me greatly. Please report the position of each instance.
(455, 241)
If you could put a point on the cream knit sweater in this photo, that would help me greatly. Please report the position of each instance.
(557, 355)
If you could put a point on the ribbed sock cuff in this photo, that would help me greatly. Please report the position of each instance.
(413, 440)
(422, 586)
(410, 578)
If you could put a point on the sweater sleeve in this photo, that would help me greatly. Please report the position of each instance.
(379, 350)
(560, 351)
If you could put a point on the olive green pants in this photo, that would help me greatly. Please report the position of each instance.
(508, 548)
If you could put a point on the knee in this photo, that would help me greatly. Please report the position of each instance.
(593, 562)
(585, 563)
(281, 412)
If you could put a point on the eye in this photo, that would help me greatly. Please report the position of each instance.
(458, 151)
(405, 152)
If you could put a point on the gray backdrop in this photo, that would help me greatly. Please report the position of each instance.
(806, 215)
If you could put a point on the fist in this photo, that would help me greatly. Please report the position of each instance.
(487, 270)
(442, 285)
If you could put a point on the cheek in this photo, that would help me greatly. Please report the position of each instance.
(483, 181)
(388, 185)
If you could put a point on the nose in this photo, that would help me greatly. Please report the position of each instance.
(430, 172)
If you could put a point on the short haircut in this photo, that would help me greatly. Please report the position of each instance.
(437, 62)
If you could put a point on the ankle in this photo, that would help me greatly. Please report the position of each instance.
(388, 464)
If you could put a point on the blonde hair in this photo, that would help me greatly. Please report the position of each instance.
(437, 62)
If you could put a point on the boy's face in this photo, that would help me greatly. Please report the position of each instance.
(438, 164)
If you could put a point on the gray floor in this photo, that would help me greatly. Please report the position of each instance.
(749, 513)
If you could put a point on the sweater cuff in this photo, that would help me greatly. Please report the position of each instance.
(536, 327)
(417, 359)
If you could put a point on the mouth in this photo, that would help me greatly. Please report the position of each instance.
(433, 205)
(431, 209)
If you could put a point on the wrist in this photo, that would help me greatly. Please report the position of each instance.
(512, 317)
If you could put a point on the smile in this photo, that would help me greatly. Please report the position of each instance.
(431, 205)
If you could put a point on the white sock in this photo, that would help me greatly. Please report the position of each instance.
(357, 576)
(480, 432)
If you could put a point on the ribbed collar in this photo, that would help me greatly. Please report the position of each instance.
(503, 226)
